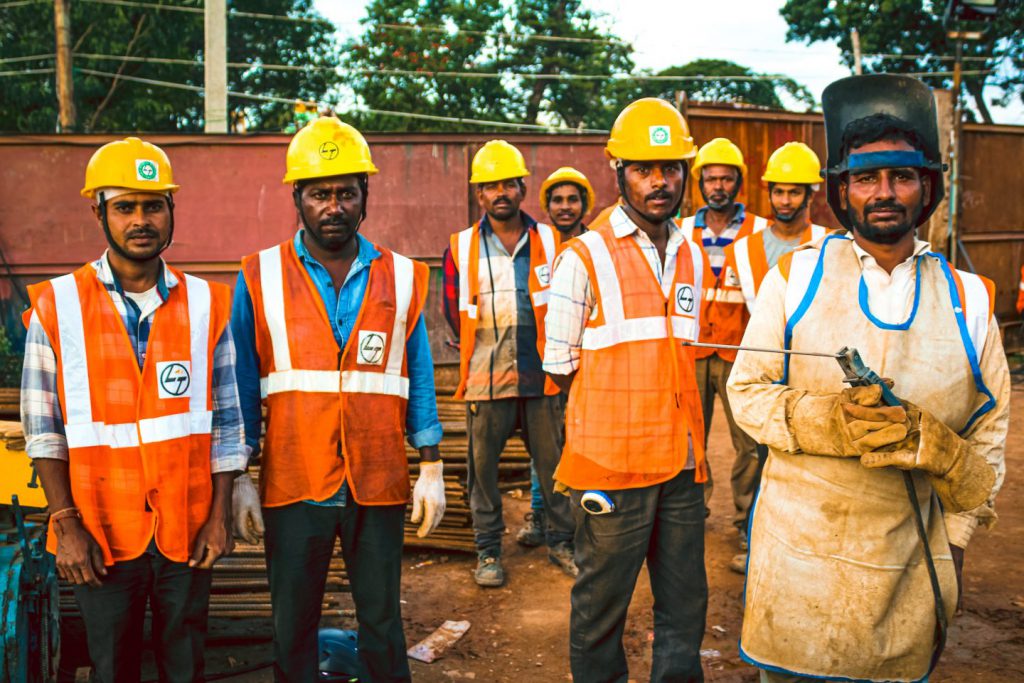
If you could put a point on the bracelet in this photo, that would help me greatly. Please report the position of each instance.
(65, 513)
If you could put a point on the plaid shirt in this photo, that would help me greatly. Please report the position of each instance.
(41, 414)
(714, 245)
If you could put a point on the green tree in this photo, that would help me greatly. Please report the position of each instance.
(913, 30)
(121, 40)
(395, 64)
(719, 80)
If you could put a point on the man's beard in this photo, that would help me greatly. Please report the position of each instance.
(566, 229)
(889, 235)
(720, 204)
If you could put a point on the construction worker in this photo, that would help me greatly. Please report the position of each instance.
(132, 419)
(793, 174)
(566, 197)
(865, 508)
(331, 338)
(719, 170)
(496, 278)
(624, 297)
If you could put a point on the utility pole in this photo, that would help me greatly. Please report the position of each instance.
(215, 59)
(65, 83)
(855, 39)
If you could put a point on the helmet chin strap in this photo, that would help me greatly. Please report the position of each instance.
(620, 175)
(118, 249)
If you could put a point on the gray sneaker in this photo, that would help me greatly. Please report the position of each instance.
(561, 555)
(489, 573)
(531, 534)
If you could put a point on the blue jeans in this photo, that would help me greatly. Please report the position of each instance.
(664, 525)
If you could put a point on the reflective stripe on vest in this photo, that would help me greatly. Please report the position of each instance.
(741, 249)
(286, 378)
(81, 431)
(465, 243)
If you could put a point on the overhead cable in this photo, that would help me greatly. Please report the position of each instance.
(501, 34)
(200, 10)
(30, 58)
(20, 3)
(382, 112)
(26, 72)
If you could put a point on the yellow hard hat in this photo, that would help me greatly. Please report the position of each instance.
(794, 162)
(497, 160)
(131, 164)
(567, 174)
(720, 151)
(650, 129)
(325, 148)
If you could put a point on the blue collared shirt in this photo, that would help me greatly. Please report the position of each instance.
(422, 425)
(714, 245)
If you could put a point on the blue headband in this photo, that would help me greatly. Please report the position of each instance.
(870, 161)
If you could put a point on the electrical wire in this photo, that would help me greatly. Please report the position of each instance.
(20, 3)
(30, 58)
(503, 34)
(200, 10)
(27, 72)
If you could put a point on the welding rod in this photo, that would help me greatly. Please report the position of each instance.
(760, 350)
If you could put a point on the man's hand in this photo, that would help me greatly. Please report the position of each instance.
(428, 501)
(213, 542)
(245, 509)
(79, 558)
(958, 565)
(848, 424)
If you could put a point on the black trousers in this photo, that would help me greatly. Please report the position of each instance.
(114, 614)
(664, 525)
(299, 542)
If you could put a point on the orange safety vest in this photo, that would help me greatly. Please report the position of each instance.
(1020, 292)
(138, 440)
(465, 250)
(724, 315)
(634, 402)
(746, 261)
(333, 415)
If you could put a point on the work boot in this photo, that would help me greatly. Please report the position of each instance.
(531, 534)
(561, 555)
(489, 573)
(744, 543)
(738, 563)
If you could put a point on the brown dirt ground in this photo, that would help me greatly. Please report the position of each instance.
(520, 632)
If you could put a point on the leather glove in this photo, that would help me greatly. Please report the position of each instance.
(847, 424)
(245, 509)
(428, 502)
(961, 478)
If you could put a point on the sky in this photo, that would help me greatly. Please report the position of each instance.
(672, 32)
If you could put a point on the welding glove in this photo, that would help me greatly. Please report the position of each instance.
(428, 502)
(962, 478)
(847, 424)
(245, 509)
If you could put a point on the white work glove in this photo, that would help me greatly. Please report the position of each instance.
(428, 497)
(245, 509)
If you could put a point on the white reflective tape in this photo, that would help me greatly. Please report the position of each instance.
(976, 307)
(199, 339)
(541, 298)
(92, 434)
(74, 365)
(607, 278)
(801, 269)
(638, 329)
(403, 301)
(179, 426)
(745, 272)
(687, 226)
(697, 254)
(817, 232)
(272, 287)
(310, 381)
(465, 241)
(547, 240)
(1022, 286)
(729, 296)
(357, 382)
(760, 223)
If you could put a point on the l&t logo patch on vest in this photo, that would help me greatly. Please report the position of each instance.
(371, 347)
(684, 299)
(543, 274)
(173, 378)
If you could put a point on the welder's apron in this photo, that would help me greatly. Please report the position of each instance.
(837, 585)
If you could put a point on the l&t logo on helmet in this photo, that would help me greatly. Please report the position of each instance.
(328, 151)
(146, 170)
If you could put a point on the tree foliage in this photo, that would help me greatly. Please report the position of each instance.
(121, 36)
(750, 88)
(405, 43)
(913, 29)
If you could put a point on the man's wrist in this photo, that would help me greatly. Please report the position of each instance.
(430, 454)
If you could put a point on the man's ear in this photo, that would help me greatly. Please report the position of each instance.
(926, 189)
(843, 187)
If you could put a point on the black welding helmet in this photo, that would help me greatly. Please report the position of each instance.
(903, 97)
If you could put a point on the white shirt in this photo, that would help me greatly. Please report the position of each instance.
(890, 295)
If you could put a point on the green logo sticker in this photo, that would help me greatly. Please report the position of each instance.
(146, 170)
(660, 136)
